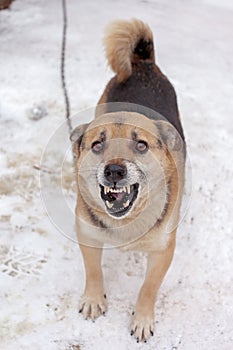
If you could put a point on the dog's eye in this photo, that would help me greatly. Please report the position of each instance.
(141, 146)
(97, 147)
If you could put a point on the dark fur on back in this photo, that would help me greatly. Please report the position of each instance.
(148, 87)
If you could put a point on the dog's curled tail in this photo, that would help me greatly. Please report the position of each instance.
(126, 43)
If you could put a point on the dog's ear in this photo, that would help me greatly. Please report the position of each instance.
(169, 136)
(76, 138)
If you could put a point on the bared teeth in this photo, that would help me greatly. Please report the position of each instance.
(106, 189)
(126, 204)
(125, 189)
(109, 205)
(116, 190)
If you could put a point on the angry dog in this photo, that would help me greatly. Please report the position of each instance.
(130, 171)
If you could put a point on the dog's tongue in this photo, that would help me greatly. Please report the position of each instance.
(118, 196)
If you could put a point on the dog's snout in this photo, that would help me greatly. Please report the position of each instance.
(114, 172)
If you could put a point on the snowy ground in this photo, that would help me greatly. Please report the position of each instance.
(41, 271)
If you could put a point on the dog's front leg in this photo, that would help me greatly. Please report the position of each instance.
(142, 325)
(93, 301)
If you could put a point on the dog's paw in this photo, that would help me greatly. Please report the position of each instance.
(142, 326)
(93, 307)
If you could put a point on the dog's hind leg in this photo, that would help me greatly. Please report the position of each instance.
(142, 325)
(93, 302)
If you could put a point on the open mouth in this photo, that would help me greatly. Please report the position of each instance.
(119, 200)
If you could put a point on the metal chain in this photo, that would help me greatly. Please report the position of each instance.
(63, 80)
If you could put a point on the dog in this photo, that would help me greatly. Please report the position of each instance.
(130, 163)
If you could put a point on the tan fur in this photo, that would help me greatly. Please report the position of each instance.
(151, 224)
(120, 40)
(158, 236)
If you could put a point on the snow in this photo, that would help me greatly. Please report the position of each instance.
(41, 270)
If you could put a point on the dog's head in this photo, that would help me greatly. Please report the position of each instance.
(123, 161)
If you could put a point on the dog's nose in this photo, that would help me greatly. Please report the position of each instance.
(114, 173)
